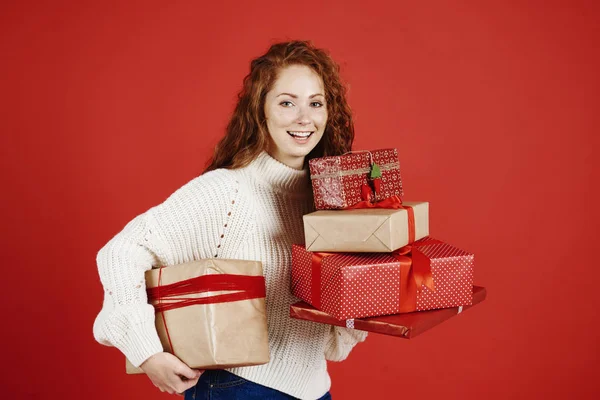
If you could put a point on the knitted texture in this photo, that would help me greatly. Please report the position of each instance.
(251, 213)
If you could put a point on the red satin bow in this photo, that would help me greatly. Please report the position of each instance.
(393, 202)
(415, 272)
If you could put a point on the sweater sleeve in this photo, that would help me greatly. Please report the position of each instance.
(126, 320)
(181, 229)
(341, 341)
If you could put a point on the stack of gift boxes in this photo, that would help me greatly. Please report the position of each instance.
(368, 263)
(368, 253)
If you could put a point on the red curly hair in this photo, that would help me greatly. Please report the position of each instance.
(247, 135)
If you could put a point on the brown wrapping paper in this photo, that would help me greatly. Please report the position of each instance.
(406, 325)
(364, 230)
(213, 336)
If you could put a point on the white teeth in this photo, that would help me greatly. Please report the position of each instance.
(300, 134)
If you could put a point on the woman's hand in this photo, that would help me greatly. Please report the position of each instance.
(169, 373)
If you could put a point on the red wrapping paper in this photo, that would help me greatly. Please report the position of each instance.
(356, 285)
(338, 181)
(407, 325)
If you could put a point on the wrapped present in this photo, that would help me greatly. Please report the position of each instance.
(426, 275)
(210, 313)
(407, 325)
(366, 230)
(342, 181)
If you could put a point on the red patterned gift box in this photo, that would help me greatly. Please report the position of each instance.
(428, 274)
(340, 181)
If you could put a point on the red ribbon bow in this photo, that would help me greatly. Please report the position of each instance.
(415, 272)
(390, 202)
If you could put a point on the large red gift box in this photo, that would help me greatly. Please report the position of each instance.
(407, 325)
(428, 274)
(340, 181)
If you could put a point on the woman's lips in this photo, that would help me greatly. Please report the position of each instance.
(300, 137)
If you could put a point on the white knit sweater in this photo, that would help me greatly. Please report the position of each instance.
(252, 213)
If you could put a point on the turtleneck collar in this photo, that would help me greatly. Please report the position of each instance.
(271, 172)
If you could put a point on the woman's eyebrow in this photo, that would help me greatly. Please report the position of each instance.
(296, 96)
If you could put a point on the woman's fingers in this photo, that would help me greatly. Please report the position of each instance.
(170, 374)
(185, 385)
(179, 384)
(186, 371)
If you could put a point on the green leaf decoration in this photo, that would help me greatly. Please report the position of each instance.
(375, 171)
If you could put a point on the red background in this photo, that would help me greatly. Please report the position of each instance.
(108, 108)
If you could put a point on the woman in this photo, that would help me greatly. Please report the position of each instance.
(247, 205)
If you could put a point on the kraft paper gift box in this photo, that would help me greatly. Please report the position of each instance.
(407, 325)
(211, 313)
(366, 230)
(342, 181)
(428, 274)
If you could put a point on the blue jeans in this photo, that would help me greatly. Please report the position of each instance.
(223, 385)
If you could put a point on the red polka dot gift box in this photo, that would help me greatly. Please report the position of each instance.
(429, 274)
(342, 181)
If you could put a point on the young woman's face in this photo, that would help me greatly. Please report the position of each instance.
(296, 114)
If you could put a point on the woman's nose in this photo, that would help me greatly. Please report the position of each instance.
(303, 116)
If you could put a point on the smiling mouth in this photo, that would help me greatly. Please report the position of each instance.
(300, 134)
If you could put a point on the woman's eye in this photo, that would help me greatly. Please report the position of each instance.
(316, 104)
(286, 103)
